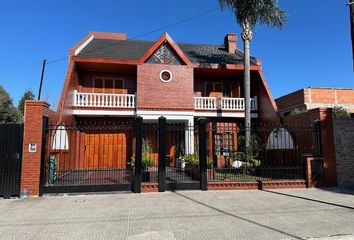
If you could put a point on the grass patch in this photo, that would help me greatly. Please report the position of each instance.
(233, 176)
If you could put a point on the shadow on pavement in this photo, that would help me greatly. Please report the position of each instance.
(309, 199)
(238, 217)
(341, 190)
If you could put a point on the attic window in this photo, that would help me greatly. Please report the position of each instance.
(164, 55)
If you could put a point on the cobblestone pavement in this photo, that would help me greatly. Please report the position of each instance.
(273, 214)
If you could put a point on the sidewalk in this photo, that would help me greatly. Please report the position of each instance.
(276, 214)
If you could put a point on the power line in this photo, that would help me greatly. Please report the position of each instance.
(57, 60)
(178, 22)
(147, 33)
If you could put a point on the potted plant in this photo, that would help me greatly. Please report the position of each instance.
(192, 166)
(146, 160)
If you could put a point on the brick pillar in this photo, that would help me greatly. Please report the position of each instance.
(329, 156)
(31, 161)
(308, 176)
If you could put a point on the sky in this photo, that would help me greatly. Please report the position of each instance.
(312, 50)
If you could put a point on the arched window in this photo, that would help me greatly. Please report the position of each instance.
(280, 138)
(60, 139)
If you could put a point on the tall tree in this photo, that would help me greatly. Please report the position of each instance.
(28, 95)
(248, 14)
(8, 113)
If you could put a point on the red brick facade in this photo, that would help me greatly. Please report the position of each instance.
(310, 98)
(267, 109)
(290, 100)
(178, 93)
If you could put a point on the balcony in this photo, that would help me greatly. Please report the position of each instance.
(101, 104)
(103, 100)
(223, 103)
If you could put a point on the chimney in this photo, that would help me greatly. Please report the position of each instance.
(109, 35)
(230, 42)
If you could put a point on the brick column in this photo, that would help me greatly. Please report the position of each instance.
(329, 155)
(308, 176)
(31, 161)
(309, 172)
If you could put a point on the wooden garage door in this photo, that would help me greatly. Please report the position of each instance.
(105, 150)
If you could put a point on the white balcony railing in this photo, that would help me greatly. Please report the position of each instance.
(225, 103)
(103, 100)
(207, 103)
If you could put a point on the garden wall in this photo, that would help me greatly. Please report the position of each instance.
(324, 116)
(344, 144)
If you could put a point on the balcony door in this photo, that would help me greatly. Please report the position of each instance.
(217, 89)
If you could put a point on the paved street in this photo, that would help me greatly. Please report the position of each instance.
(276, 214)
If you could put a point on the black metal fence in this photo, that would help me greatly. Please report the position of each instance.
(11, 138)
(124, 155)
(275, 152)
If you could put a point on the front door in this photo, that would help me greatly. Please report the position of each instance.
(224, 139)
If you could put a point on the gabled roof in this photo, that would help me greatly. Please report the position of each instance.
(165, 38)
(116, 49)
(134, 50)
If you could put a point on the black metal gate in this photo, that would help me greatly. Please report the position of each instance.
(87, 156)
(11, 139)
(182, 162)
(176, 164)
(169, 155)
(101, 155)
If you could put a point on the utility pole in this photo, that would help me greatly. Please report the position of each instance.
(351, 12)
(42, 76)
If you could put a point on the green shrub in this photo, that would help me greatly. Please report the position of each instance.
(146, 160)
(254, 151)
(339, 112)
(298, 110)
(193, 159)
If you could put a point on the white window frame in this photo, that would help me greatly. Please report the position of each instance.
(60, 141)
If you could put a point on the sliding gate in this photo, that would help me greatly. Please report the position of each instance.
(92, 156)
(88, 156)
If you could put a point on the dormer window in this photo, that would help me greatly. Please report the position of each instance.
(164, 55)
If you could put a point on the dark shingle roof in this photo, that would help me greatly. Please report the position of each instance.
(135, 49)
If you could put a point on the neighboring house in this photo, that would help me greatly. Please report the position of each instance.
(113, 78)
(311, 98)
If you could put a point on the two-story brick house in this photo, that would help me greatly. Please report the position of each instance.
(113, 78)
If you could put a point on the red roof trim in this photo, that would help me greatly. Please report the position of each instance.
(165, 37)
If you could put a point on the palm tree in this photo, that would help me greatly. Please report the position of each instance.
(248, 14)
